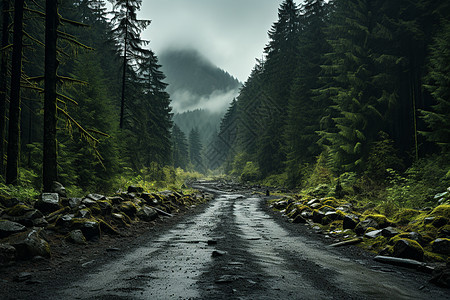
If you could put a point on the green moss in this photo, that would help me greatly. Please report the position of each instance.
(434, 257)
(326, 208)
(381, 220)
(405, 216)
(441, 210)
(374, 245)
(370, 229)
(439, 221)
(18, 210)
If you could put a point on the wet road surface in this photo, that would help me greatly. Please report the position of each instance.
(234, 250)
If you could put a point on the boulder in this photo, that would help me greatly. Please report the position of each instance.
(65, 221)
(8, 202)
(299, 220)
(306, 214)
(135, 189)
(389, 232)
(444, 231)
(318, 216)
(8, 228)
(105, 207)
(76, 237)
(115, 200)
(89, 227)
(362, 226)
(128, 208)
(7, 254)
(350, 221)
(146, 213)
(84, 213)
(406, 248)
(439, 221)
(29, 244)
(48, 203)
(74, 202)
(441, 246)
(28, 217)
(88, 202)
(59, 189)
(333, 216)
(373, 234)
(96, 197)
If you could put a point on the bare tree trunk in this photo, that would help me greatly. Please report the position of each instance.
(12, 165)
(3, 82)
(50, 166)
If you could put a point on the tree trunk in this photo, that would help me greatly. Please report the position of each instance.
(124, 76)
(3, 82)
(50, 167)
(14, 104)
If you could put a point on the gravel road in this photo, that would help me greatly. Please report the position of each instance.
(233, 248)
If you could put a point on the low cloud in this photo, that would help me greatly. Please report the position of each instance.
(216, 102)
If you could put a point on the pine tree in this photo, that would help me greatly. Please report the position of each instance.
(179, 148)
(195, 150)
(305, 108)
(126, 31)
(438, 80)
(360, 89)
(14, 107)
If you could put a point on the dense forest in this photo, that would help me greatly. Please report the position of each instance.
(351, 96)
(83, 98)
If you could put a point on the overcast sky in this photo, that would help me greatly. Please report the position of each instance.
(230, 33)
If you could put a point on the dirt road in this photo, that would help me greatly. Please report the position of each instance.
(234, 249)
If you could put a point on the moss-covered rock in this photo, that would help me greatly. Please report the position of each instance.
(18, 210)
(406, 248)
(444, 231)
(439, 221)
(405, 216)
(441, 246)
(381, 220)
(89, 227)
(441, 210)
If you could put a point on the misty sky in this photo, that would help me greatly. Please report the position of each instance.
(230, 33)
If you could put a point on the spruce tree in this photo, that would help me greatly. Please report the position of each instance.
(126, 31)
(195, 150)
(179, 148)
(438, 79)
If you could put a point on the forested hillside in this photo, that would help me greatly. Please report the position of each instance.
(352, 95)
(102, 83)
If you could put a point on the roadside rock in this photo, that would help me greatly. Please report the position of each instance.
(89, 227)
(406, 248)
(373, 234)
(350, 221)
(7, 254)
(77, 237)
(48, 203)
(128, 208)
(8, 228)
(362, 226)
(74, 202)
(8, 202)
(299, 220)
(146, 213)
(29, 244)
(135, 189)
(389, 232)
(441, 246)
(59, 189)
